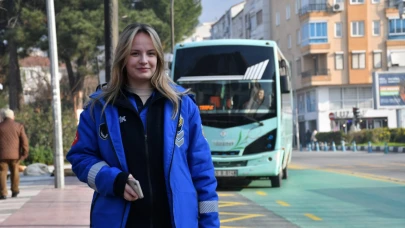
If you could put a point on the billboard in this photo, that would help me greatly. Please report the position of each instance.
(389, 90)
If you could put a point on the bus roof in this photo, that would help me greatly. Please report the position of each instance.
(270, 43)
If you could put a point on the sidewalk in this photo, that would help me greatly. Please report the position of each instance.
(39, 204)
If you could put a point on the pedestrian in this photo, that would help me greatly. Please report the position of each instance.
(13, 149)
(142, 126)
(313, 136)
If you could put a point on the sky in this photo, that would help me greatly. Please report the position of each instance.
(212, 10)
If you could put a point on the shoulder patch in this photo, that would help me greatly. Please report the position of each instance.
(76, 138)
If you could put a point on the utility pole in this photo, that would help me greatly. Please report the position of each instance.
(57, 113)
(110, 34)
(172, 22)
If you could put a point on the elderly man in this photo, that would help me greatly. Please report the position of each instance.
(13, 148)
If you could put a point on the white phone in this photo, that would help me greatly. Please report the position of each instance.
(136, 186)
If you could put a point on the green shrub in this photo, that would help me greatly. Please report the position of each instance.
(39, 154)
(330, 137)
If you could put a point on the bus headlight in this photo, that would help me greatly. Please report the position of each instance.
(262, 144)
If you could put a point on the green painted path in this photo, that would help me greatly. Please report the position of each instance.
(315, 198)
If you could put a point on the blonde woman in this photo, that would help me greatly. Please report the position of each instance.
(141, 126)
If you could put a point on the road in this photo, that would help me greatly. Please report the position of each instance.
(324, 189)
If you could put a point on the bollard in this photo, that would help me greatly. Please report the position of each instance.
(309, 147)
(354, 146)
(333, 147)
(343, 145)
(325, 146)
(370, 148)
(385, 148)
(317, 146)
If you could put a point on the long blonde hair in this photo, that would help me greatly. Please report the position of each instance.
(160, 80)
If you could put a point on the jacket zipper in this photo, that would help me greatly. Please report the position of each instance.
(171, 162)
(149, 179)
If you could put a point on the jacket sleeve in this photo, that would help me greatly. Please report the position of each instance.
(86, 160)
(23, 143)
(202, 172)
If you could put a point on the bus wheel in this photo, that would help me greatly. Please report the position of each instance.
(276, 180)
(285, 173)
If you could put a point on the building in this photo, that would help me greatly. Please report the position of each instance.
(257, 19)
(334, 46)
(223, 28)
(201, 32)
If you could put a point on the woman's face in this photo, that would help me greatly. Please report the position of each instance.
(142, 61)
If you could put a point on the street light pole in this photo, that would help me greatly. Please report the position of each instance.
(172, 22)
(57, 113)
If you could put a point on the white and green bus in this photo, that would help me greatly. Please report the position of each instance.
(242, 88)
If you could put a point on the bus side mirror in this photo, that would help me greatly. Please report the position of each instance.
(285, 84)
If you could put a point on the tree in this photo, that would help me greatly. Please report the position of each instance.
(186, 13)
(21, 27)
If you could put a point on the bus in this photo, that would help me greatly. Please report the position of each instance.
(243, 91)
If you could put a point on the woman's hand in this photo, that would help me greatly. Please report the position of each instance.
(129, 193)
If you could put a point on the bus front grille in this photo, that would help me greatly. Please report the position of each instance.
(225, 153)
(230, 164)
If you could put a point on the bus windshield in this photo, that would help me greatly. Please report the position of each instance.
(226, 104)
(235, 61)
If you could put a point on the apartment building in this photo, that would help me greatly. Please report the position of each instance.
(257, 19)
(224, 27)
(334, 46)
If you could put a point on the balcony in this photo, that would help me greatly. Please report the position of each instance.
(315, 72)
(390, 7)
(319, 9)
(319, 48)
(315, 77)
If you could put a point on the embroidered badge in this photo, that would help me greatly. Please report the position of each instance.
(103, 131)
(180, 132)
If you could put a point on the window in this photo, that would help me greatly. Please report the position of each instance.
(375, 1)
(310, 101)
(314, 32)
(358, 59)
(339, 61)
(297, 6)
(298, 37)
(357, 28)
(259, 17)
(289, 41)
(338, 29)
(287, 12)
(277, 18)
(376, 28)
(396, 29)
(356, 1)
(301, 103)
(377, 56)
(298, 67)
(347, 98)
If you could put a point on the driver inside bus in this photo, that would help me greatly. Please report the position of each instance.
(259, 101)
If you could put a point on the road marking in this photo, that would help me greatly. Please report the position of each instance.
(296, 167)
(356, 174)
(398, 164)
(241, 216)
(282, 203)
(225, 194)
(232, 227)
(371, 165)
(261, 193)
(313, 217)
(366, 176)
(229, 204)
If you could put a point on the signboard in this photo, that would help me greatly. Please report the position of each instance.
(389, 90)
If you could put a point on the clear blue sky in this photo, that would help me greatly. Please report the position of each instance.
(214, 9)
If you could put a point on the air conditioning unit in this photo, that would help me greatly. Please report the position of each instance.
(338, 7)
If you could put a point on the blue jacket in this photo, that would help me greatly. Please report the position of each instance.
(97, 159)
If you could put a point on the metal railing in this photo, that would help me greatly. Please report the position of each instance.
(318, 7)
(315, 72)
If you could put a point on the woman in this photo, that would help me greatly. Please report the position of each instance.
(142, 126)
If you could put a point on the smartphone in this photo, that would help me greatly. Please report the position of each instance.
(136, 187)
